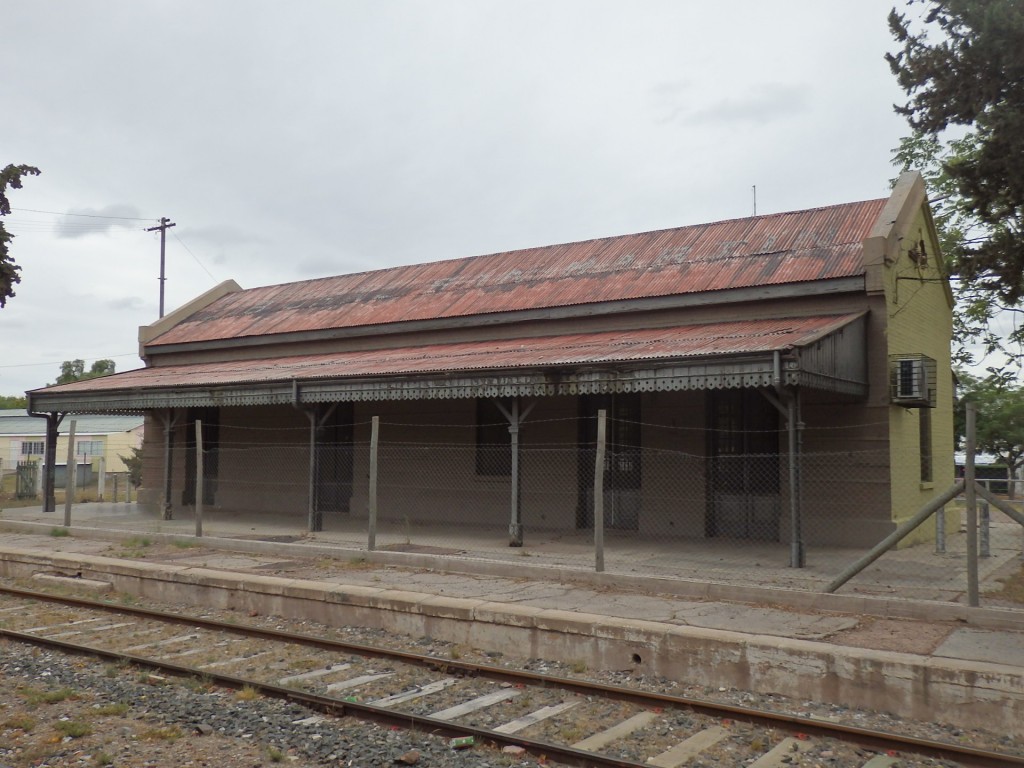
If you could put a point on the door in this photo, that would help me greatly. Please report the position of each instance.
(622, 463)
(743, 466)
(334, 458)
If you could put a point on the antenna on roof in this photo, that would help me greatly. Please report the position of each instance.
(754, 188)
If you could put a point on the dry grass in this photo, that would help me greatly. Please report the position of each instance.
(1012, 587)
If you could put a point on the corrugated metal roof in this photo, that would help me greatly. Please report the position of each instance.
(793, 247)
(684, 342)
(17, 422)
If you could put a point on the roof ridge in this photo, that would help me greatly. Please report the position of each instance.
(569, 243)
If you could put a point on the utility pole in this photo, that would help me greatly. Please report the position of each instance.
(165, 224)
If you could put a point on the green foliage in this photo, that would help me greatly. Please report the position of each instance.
(74, 370)
(9, 177)
(962, 64)
(134, 465)
(999, 428)
(12, 401)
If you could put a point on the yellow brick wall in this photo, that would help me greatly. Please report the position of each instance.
(919, 321)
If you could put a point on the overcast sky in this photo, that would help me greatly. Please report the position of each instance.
(320, 137)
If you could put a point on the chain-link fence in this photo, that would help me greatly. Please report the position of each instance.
(718, 514)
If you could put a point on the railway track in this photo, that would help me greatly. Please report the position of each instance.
(566, 720)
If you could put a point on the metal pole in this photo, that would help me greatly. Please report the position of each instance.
(940, 531)
(515, 526)
(970, 495)
(599, 492)
(311, 521)
(69, 476)
(985, 519)
(117, 483)
(101, 485)
(896, 536)
(371, 543)
(199, 479)
(167, 512)
(53, 420)
(796, 546)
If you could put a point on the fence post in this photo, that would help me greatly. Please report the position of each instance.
(970, 496)
(199, 479)
(984, 520)
(599, 492)
(117, 483)
(69, 476)
(371, 542)
(101, 483)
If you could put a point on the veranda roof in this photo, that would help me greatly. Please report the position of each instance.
(822, 351)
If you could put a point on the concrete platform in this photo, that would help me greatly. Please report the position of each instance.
(928, 660)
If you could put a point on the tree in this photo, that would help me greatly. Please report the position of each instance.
(9, 177)
(74, 370)
(964, 66)
(999, 428)
(13, 401)
(134, 465)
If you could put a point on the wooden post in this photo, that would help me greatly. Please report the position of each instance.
(371, 542)
(970, 494)
(602, 427)
(69, 476)
(199, 479)
(117, 483)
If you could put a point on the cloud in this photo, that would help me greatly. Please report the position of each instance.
(757, 105)
(126, 302)
(79, 222)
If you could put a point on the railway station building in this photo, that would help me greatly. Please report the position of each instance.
(783, 377)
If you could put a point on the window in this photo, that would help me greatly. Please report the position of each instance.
(89, 448)
(493, 441)
(32, 448)
(925, 438)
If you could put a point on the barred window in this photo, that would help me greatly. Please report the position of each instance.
(32, 448)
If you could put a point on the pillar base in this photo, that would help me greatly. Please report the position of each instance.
(515, 534)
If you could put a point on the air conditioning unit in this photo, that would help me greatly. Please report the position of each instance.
(912, 381)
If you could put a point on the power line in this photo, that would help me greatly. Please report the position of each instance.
(86, 215)
(182, 244)
(58, 362)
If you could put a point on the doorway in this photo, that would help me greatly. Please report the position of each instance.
(743, 466)
(334, 459)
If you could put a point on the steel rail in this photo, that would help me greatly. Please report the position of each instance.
(881, 741)
(340, 708)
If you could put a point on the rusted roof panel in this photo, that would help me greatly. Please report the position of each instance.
(781, 248)
(685, 342)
